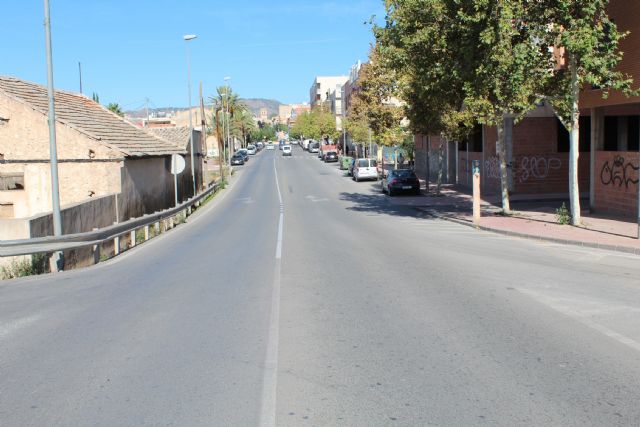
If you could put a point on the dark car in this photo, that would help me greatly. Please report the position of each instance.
(400, 180)
(237, 159)
(331, 156)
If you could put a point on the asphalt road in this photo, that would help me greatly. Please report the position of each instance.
(299, 297)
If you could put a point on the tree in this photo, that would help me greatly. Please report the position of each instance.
(114, 107)
(504, 67)
(227, 102)
(416, 43)
(587, 42)
(95, 97)
(376, 101)
(242, 124)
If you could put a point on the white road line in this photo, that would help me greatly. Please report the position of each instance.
(9, 328)
(582, 318)
(270, 378)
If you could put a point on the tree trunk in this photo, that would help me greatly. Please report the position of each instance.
(574, 145)
(440, 165)
(504, 173)
(221, 159)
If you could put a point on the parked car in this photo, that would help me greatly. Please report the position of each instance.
(260, 145)
(400, 180)
(286, 150)
(244, 153)
(365, 169)
(252, 150)
(293, 142)
(237, 159)
(314, 147)
(271, 147)
(352, 165)
(330, 157)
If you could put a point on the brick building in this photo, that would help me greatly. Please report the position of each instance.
(99, 154)
(538, 146)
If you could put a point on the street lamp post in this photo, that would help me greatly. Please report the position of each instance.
(57, 259)
(226, 79)
(187, 38)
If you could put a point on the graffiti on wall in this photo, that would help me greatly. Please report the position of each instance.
(537, 167)
(618, 173)
(492, 168)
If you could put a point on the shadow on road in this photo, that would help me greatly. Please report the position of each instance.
(378, 204)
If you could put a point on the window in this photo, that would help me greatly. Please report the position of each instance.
(11, 181)
(633, 133)
(611, 133)
(585, 135)
(474, 141)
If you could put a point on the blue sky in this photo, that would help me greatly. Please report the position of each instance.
(132, 50)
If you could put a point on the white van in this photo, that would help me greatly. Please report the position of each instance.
(286, 150)
(365, 169)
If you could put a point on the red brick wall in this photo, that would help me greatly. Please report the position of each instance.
(537, 166)
(616, 188)
(625, 13)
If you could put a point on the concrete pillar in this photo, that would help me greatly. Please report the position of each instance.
(116, 245)
(133, 238)
(146, 233)
(96, 254)
(597, 144)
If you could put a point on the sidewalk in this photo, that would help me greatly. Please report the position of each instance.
(531, 219)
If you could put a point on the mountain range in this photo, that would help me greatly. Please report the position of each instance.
(254, 104)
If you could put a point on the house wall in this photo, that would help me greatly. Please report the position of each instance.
(86, 168)
(147, 186)
(616, 183)
(625, 14)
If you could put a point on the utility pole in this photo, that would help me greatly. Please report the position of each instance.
(80, 74)
(57, 260)
(193, 172)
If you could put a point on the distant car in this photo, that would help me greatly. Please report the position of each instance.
(314, 147)
(260, 145)
(365, 169)
(400, 180)
(237, 159)
(330, 157)
(293, 142)
(286, 150)
(252, 149)
(271, 147)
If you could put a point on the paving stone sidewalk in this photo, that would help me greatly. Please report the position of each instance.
(535, 219)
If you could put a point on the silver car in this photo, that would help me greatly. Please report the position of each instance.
(365, 169)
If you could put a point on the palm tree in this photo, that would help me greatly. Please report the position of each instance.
(242, 123)
(227, 102)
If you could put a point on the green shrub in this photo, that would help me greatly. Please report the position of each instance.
(28, 266)
(562, 215)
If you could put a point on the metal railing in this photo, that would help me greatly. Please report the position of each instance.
(97, 237)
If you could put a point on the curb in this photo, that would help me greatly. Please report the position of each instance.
(579, 243)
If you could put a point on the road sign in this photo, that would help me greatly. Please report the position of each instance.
(177, 164)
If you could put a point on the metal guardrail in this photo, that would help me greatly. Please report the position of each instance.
(96, 237)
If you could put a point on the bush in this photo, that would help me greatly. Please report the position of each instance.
(562, 215)
(28, 266)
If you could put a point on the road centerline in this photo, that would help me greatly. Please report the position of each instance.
(270, 379)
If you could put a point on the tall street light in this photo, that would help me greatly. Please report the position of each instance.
(187, 38)
(227, 79)
(57, 259)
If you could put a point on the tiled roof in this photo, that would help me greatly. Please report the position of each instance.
(90, 118)
(177, 135)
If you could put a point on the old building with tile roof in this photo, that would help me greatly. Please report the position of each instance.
(100, 154)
